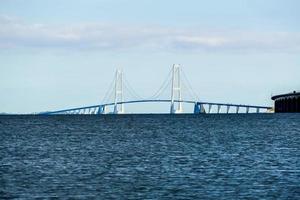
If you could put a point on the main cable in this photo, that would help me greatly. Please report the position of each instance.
(162, 87)
(108, 91)
(190, 86)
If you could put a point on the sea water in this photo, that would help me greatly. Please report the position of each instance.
(234, 156)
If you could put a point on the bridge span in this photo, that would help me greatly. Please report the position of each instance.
(198, 107)
(176, 101)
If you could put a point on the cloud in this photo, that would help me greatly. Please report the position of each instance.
(15, 33)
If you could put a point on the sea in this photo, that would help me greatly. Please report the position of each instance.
(206, 156)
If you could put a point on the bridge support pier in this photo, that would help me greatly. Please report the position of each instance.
(237, 109)
(209, 108)
(101, 110)
(219, 108)
(228, 108)
(198, 108)
(247, 110)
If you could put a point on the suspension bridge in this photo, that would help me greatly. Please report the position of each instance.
(171, 91)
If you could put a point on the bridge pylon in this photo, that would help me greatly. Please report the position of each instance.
(176, 91)
(118, 90)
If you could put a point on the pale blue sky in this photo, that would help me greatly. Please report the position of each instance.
(56, 54)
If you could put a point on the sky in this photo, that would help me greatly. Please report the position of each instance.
(57, 54)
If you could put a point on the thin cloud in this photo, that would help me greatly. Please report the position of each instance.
(15, 33)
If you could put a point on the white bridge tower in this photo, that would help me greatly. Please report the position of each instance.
(176, 91)
(119, 108)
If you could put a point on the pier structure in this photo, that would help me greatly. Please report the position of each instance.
(116, 105)
(287, 103)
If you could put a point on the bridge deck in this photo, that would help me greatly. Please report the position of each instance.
(158, 100)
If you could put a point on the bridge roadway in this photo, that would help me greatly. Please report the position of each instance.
(228, 105)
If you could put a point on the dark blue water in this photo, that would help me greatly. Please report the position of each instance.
(254, 156)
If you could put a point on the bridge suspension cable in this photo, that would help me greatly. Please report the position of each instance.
(189, 86)
(109, 92)
(176, 85)
(130, 89)
(176, 78)
(163, 87)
